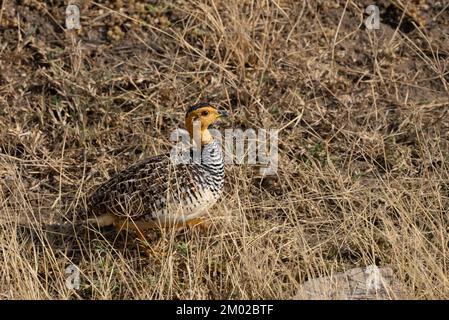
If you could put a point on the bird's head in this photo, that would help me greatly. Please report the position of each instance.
(204, 114)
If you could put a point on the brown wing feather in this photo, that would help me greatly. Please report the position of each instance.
(144, 189)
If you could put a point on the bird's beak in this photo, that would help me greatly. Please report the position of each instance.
(223, 113)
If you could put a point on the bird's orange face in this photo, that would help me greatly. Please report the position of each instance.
(206, 115)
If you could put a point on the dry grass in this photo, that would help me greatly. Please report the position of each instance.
(364, 147)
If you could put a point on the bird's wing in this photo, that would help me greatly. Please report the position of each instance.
(146, 189)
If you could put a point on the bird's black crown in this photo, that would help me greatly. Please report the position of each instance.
(197, 106)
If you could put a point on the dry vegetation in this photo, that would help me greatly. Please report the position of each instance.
(364, 142)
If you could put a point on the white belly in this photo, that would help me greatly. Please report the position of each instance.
(182, 212)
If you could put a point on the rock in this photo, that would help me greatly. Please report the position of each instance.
(370, 283)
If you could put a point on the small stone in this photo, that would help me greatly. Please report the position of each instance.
(370, 283)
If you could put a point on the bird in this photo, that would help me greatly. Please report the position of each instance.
(158, 192)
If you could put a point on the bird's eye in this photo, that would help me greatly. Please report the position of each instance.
(205, 113)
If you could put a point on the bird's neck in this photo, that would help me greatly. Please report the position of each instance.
(199, 133)
(206, 137)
